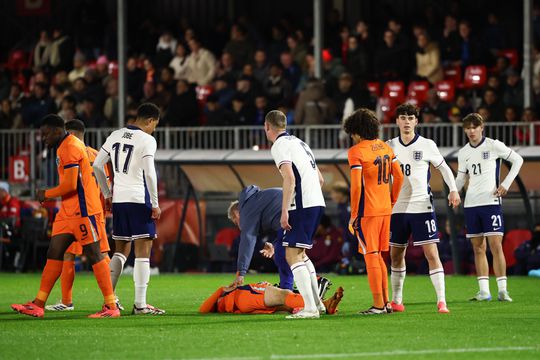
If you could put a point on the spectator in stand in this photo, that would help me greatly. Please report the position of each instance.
(454, 115)
(244, 87)
(16, 97)
(278, 44)
(389, 59)
(91, 114)
(344, 37)
(494, 82)
(102, 70)
(36, 106)
(94, 88)
(183, 110)
(523, 134)
(261, 109)
(289, 113)
(297, 49)
(62, 51)
(357, 60)
(68, 108)
(340, 195)
(165, 50)
(502, 68)
(428, 116)
(313, 106)
(327, 243)
(110, 109)
(10, 207)
(494, 35)
(227, 68)
(492, 103)
(79, 90)
(291, 70)
(276, 87)
(8, 117)
(135, 79)
(463, 104)
(150, 71)
(528, 254)
(510, 115)
(242, 113)
(239, 46)
(224, 92)
(349, 96)
(332, 70)
(215, 114)
(428, 60)
(166, 78)
(436, 106)
(484, 113)
(79, 67)
(57, 93)
(260, 66)
(513, 93)
(332, 28)
(179, 62)
(42, 51)
(471, 51)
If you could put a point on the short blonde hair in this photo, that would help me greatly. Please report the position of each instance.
(233, 206)
(276, 119)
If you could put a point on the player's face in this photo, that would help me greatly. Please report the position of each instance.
(235, 218)
(406, 123)
(474, 133)
(50, 136)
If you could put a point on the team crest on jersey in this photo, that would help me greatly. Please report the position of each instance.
(417, 155)
(485, 155)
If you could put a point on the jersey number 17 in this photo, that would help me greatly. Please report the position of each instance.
(127, 148)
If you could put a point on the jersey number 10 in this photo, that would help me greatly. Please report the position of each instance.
(127, 149)
(384, 169)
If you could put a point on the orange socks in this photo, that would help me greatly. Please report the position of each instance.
(373, 267)
(106, 258)
(293, 300)
(66, 280)
(103, 277)
(384, 274)
(51, 273)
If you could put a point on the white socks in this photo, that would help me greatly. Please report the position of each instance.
(141, 277)
(303, 283)
(397, 278)
(437, 279)
(117, 266)
(313, 277)
(483, 283)
(501, 283)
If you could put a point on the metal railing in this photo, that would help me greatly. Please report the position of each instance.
(42, 168)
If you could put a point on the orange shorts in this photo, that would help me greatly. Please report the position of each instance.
(250, 299)
(86, 230)
(373, 234)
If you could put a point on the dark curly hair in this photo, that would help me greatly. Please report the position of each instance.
(362, 122)
(407, 109)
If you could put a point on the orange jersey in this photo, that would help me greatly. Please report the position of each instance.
(246, 299)
(84, 201)
(92, 154)
(375, 179)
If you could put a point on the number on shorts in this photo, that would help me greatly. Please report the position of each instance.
(84, 230)
(431, 226)
(496, 220)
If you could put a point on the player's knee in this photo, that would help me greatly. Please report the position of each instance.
(54, 253)
(93, 253)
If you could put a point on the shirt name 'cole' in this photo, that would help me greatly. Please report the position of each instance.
(127, 135)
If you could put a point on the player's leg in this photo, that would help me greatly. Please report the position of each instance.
(499, 266)
(399, 237)
(312, 219)
(285, 273)
(121, 253)
(141, 278)
(274, 296)
(295, 259)
(482, 268)
(436, 273)
(122, 236)
(53, 268)
(384, 246)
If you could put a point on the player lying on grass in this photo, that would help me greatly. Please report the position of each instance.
(261, 298)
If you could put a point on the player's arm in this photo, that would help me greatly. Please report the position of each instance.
(70, 159)
(150, 177)
(515, 159)
(101, 160)
(440, 164)
(248, 240)
(462, 173)
(356, 187)
(289, 183)
(210, 304)
(321, 179)
(397, 180)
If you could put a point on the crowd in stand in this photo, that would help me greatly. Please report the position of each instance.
(243, 76)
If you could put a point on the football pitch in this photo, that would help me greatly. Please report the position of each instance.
(491, 330)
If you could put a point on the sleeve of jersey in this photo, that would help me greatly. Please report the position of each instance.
(68, 184)
(281, 154)
(101, 159)
(501, 150)
(436, 157)
(209, 305)
(248, 240)
(462, 173)
(151, 179)
(356, 182)
(517, 162)
(397, 179)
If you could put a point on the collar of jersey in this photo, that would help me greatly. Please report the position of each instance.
(64, 138)
(133, 127)
(416, 136)
(480, 143)
(282, 134)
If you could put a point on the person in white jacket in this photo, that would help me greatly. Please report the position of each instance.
(201, 64)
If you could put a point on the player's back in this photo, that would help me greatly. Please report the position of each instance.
(85, 201)
(375, 159)
(127, 147)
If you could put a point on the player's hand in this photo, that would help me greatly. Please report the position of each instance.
(239, 281)
(284, 221)
(156, 213)
(501, 191)
(351, 229)
(108, 204)
(268, 250)
(453, 199)
(40, 195)
(229, 288)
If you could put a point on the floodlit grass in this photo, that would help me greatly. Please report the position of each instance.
(491, 330)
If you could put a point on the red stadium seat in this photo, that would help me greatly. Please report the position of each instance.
(395, 90)
(417, 93)
(512, 56)
(387, 106)
(202, 93)
(446, 90)
(453, 73)
(475, 76)
(511, 242)
(226, 236)
(374, 88)
(18, 60)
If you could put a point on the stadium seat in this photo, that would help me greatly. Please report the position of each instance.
(417, 92)
(226, 236)
(395, 90)
(453, 74)
(511, 242)
(446, 90)
(475, 76)
(18, 60)
(387, 107)
(374, 88)
(512, 56)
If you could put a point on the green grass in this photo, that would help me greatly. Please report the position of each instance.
(473, 330)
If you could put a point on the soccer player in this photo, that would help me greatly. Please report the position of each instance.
(260, 298)
(301, 208)
(414, 211)
(134, 196)
(375, 185)
(78, 219)
(479, 160)
(77, 129)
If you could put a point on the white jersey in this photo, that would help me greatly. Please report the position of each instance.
(288, 149)
(482, 164)
(415, 158)
(127, 147)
